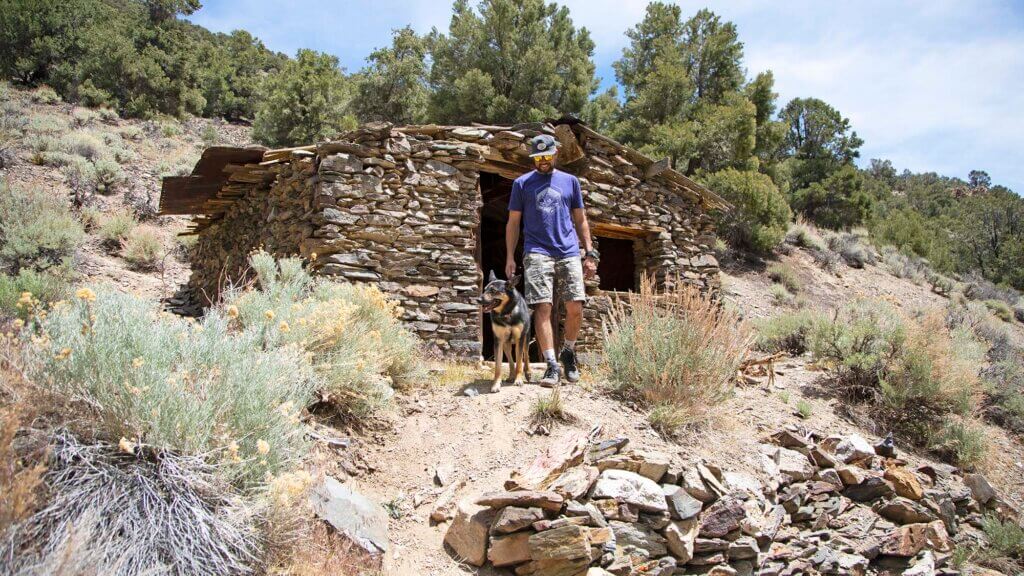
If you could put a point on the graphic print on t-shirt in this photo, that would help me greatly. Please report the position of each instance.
(548, 199)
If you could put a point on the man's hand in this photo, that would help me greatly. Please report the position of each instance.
(589, 268)
(510, 269)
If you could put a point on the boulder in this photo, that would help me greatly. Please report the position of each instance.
(907, 541)
(522, 499)
(680, 537)
(467, 534)
(681, 505)
(509, 550)
(794, 464)
(692, 483)
(905, 483)
(722, 517)
(630, 488)
(653, 465)
(851, 475)
(743, 548)
(639, 537)
(905, 511)
(565, 543)
(871, 488)
(444, 507)
(853, 448)
(513, 519)
(981, 490)
(574, 482)
(360, 519)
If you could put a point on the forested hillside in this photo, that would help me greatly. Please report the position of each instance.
(682, 91)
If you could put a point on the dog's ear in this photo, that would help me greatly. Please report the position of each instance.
(492, 277)
(513, 282)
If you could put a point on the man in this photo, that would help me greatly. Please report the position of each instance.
(549, 204)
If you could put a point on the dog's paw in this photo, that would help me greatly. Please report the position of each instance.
(518, 381)
(496, 387)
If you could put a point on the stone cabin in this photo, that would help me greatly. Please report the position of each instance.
(420, 211)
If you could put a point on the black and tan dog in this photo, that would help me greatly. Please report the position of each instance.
(510, 321)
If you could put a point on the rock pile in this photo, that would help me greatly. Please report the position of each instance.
(821, 505)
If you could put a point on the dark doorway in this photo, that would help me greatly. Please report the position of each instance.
(617, 266)
(494, 192)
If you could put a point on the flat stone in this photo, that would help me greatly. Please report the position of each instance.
(555, 567)
(513, 519)
(575, 482)
(467, 534)
(852, 475)
(615, 510)
(574, 508)
(871, 488)
(905, 483)
(744, 548)
(794, 464)
(630, 488)
(653, 465)
(680, 538)
(830, 476)
(565, 543)
(522, 499)
(790, 439)
(853, 448)
(923, 567)
(981, 490)
(509, 550)
(680, 504)
(905, 511)
(542, 525)
(444, 506)
(692, 483)
(708, 560)
(722, 571)
(360, 519)
(907, 541)
(706, 545)
(639, 537)
(722, 517)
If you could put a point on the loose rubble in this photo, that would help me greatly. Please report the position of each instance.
(820, 506)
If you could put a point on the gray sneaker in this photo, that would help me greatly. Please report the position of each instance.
(551, 377)
(572, 371)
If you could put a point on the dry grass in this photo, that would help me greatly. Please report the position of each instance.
(677, 349)
(19, 481)
(548, 408)
(144, 248)
(325, 552)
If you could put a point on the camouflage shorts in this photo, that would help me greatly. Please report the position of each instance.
(543, 270)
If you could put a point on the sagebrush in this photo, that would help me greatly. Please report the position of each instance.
(676, 349)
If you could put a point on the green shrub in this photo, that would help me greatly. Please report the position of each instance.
(360, 348)
(1005, 538)
(115, 227)
(83, 117)
(210, 135)
(143, 249)
(760, 212)
(803, 409)
(780, 295)
(91, 95)
(978, 288)
(785, 274)
(826, 259)
(963, 443)
(48, 286)
(1001, 309)
(852, 249)
(154, 378)
(786, 332)
(46, 124)
(170, 128)
(803, 234)
(916, 372)
(109, 115)
(941, 285)
(165, 169)
(80, 175)
(84, 144)
(45, 95)
(677, 349)
(108, 175)
(131, 132)
(37, 230)
(906, 266)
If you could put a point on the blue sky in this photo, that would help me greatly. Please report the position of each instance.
(933, 85)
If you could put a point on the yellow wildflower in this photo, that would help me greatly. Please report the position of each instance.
(85, 294)
(283, 326)
(232, 311)
(63, 354)
(269, 314)
(127, 445)
(312, 257)
(19, 323)
(138, 362)
(262, 446)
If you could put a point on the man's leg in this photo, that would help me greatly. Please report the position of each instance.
(540, 279)
(569, 272)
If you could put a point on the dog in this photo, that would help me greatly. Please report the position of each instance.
(510, 322)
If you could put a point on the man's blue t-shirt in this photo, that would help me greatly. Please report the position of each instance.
(547, 201)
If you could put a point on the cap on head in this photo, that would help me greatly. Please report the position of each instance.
(543, 145)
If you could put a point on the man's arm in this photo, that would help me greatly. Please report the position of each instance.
(579, 217)
(511, 240)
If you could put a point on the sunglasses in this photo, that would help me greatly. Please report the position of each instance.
(544, 158)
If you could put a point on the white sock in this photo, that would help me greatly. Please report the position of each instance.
(549, 356)
(569, 345)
